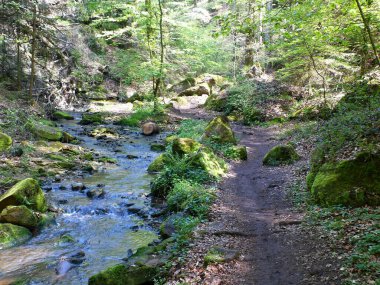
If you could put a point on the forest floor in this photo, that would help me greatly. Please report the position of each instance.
(254, 218)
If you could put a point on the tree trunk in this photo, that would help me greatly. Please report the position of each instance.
(368, 29)
(33, 52)
(162, 50)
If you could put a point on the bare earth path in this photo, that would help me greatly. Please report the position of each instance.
(254, 218)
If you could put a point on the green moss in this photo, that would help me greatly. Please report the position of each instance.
(19, 215)
(170, 139)
(212, 257)
(107, 159)
(219, 130)
(122, 275)
(281, 154)
(45, 132)
(237, 152)
(12, 235)
(62, 161)
(60, 115)
(216, 102)
(351, 182)
(159, 163)
(209, 162)
(26, 192)
(5, 142)
(88, 119)
(157, 147)
(183, 146)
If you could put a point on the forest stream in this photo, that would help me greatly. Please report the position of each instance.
(90, 234)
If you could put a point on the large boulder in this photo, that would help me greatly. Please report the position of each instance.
(217, 101)
(182, 85)
(209, 162)
(45, 132)
(12, 235)
(219, 130)
(183, 146)
(5, 142)
(197, 90)
(281, 154)
(353, 182)
(19, 215)
(26, 192)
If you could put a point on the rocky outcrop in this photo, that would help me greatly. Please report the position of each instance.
(5, 142)
(197, 90)
(353, 182)
(281, 154)
(88, 119)
(43, 131)
(26, 192)
(219, 130)
(12, 235)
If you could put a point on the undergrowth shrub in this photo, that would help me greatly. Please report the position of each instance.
(192, 129)
(142, 114)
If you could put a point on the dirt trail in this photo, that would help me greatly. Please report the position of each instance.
(254, 217)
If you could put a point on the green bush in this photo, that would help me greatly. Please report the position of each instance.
(192, 129)
(191, 198)
(140, 115)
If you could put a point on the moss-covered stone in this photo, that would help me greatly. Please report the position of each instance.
(208, 161)
(45, 132)
(182, 85)
(351, 182)
(220, 255)
(12, 235)
(281, 154)
(217, 102)
(60, 115)
(5, 142)
(88, 119)
(19, 215)
(219, 130)
(182, 146)
(238, 152)
(122, 275)
(197, 90)
(26, 192)
(62, 161)
(159, 163)
(67, 138)
(169, 139)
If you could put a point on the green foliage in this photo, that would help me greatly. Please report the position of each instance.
(191, 198)
(191, 128)
(142, 114)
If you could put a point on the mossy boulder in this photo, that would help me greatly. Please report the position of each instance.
(123, 275)
(182, 85)
(5, 142)
(219, 130)
(217, 102)
(60, 115)
(197, 90)
(19, 215)
(350, 182)
(26, 192)
(220, 255)
(237, 152)
(169, 139)
(182, 146)
(88, 119)
(281, 154)
(45, 132)
(159, 163)
(12, 235)
(209, 162)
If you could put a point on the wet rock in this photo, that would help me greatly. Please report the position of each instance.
(131, 156)
(60, 115)
(150, 128)
(159, 163)
(135, 209)
(96, 193)
(219, 130)
(26, 192)
(5, 142)
(12, 235)
(67, 263)
(57, 178)
(157, 147)
(78, 186)
(281, 154)
(62, 187)
(63, 201)
(19, 215)
(95, 118)
(168, 228)
(67, 138)
(48, 188)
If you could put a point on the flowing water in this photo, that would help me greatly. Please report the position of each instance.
(102, 228)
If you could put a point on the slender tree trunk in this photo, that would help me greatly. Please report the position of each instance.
(33, 52)
(162, 50)
(368, 29)
(148, 9)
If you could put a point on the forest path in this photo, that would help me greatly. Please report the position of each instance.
(254, 217)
